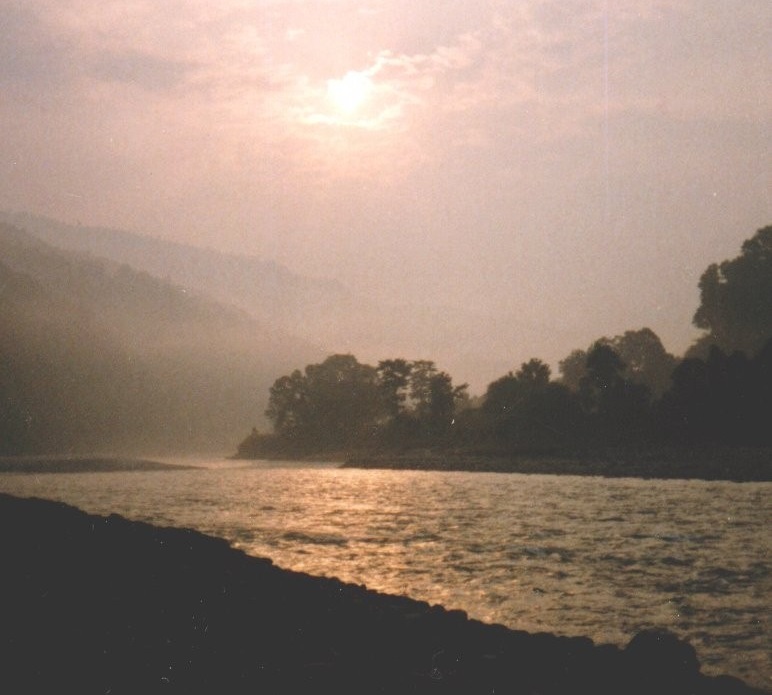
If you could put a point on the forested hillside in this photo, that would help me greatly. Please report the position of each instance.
(265, 289)
(95, 355)
(317, 310)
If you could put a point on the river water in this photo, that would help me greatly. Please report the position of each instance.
(571, 555)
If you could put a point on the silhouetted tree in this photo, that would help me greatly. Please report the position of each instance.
(443, 401)
(526, 409)
(510, 394)
(647, 362)
(645, 358)
(572, 368)
(422, 372)
(736, 300)
(434, 398)
(333, 404)
(288, 407)
(394, 380)
(725, 399)
(534, 374)
(603, 377)
(502, 397)
(617, 406)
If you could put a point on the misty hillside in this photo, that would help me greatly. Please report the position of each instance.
(321, 312)
(97, 355)
(263, 288)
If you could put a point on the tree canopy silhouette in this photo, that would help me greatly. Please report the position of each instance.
(343, 404)
(527, 409)
(645, 360)
(623, 391)
(736, 299)
(330, 405)
(724, 399)
(394, 379)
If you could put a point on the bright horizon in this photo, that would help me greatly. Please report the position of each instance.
(552, 171)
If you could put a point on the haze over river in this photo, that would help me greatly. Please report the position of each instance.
(571, 555)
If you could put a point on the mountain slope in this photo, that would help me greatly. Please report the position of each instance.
(322, 312)
(97, 355)
(262, 288)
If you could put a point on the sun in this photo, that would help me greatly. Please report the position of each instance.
(349, 92)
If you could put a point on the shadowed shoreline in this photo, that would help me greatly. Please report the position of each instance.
(731, 464)
(102, 604)
(81, 464)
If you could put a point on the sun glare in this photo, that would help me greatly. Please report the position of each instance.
(349, 92)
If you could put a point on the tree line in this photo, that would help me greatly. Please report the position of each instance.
(625, 390)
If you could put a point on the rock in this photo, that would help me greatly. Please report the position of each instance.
(660, 662)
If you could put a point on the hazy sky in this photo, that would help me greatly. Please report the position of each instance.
(570, 167)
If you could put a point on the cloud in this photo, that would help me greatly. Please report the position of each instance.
(30, 56)
(503, 91)
(143, 69)
(238, 89)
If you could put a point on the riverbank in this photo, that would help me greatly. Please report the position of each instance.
(80, 464)
(732, 464)
(102, 604)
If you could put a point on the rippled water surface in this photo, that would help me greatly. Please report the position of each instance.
(576, 556)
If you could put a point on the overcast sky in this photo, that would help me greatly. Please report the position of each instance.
(572, 165)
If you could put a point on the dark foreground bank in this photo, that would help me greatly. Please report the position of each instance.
(103, 605)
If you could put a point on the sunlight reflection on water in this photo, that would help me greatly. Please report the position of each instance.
(578, 556)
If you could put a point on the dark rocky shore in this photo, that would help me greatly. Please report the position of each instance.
(94, 604)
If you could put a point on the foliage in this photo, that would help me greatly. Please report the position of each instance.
(617, 406)
(342, 404)
(626, 390)
(736, 299)
(645, 358)
(433, 397)
(526, 409)
(724, 399)
(331, 405)
(394, 380)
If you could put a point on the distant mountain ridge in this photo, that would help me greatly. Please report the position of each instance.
(263, 288)
(321, 312)
(96, 355)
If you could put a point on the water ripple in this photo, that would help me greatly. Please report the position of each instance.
(560, 554)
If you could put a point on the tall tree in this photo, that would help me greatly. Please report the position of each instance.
(572, 368)
(604, 376)
(433, 398)
(333, 404)
(394, 380)
(345, 398)
(722, 399)
(534, 374)
(617, 406)
(736, 299)
(502, 396)
(288, 405)
(645, 358)
(526, 409)
(421, 386)
(445, 400)
(647, 362)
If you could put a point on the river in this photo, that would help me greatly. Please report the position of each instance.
(571, 555)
